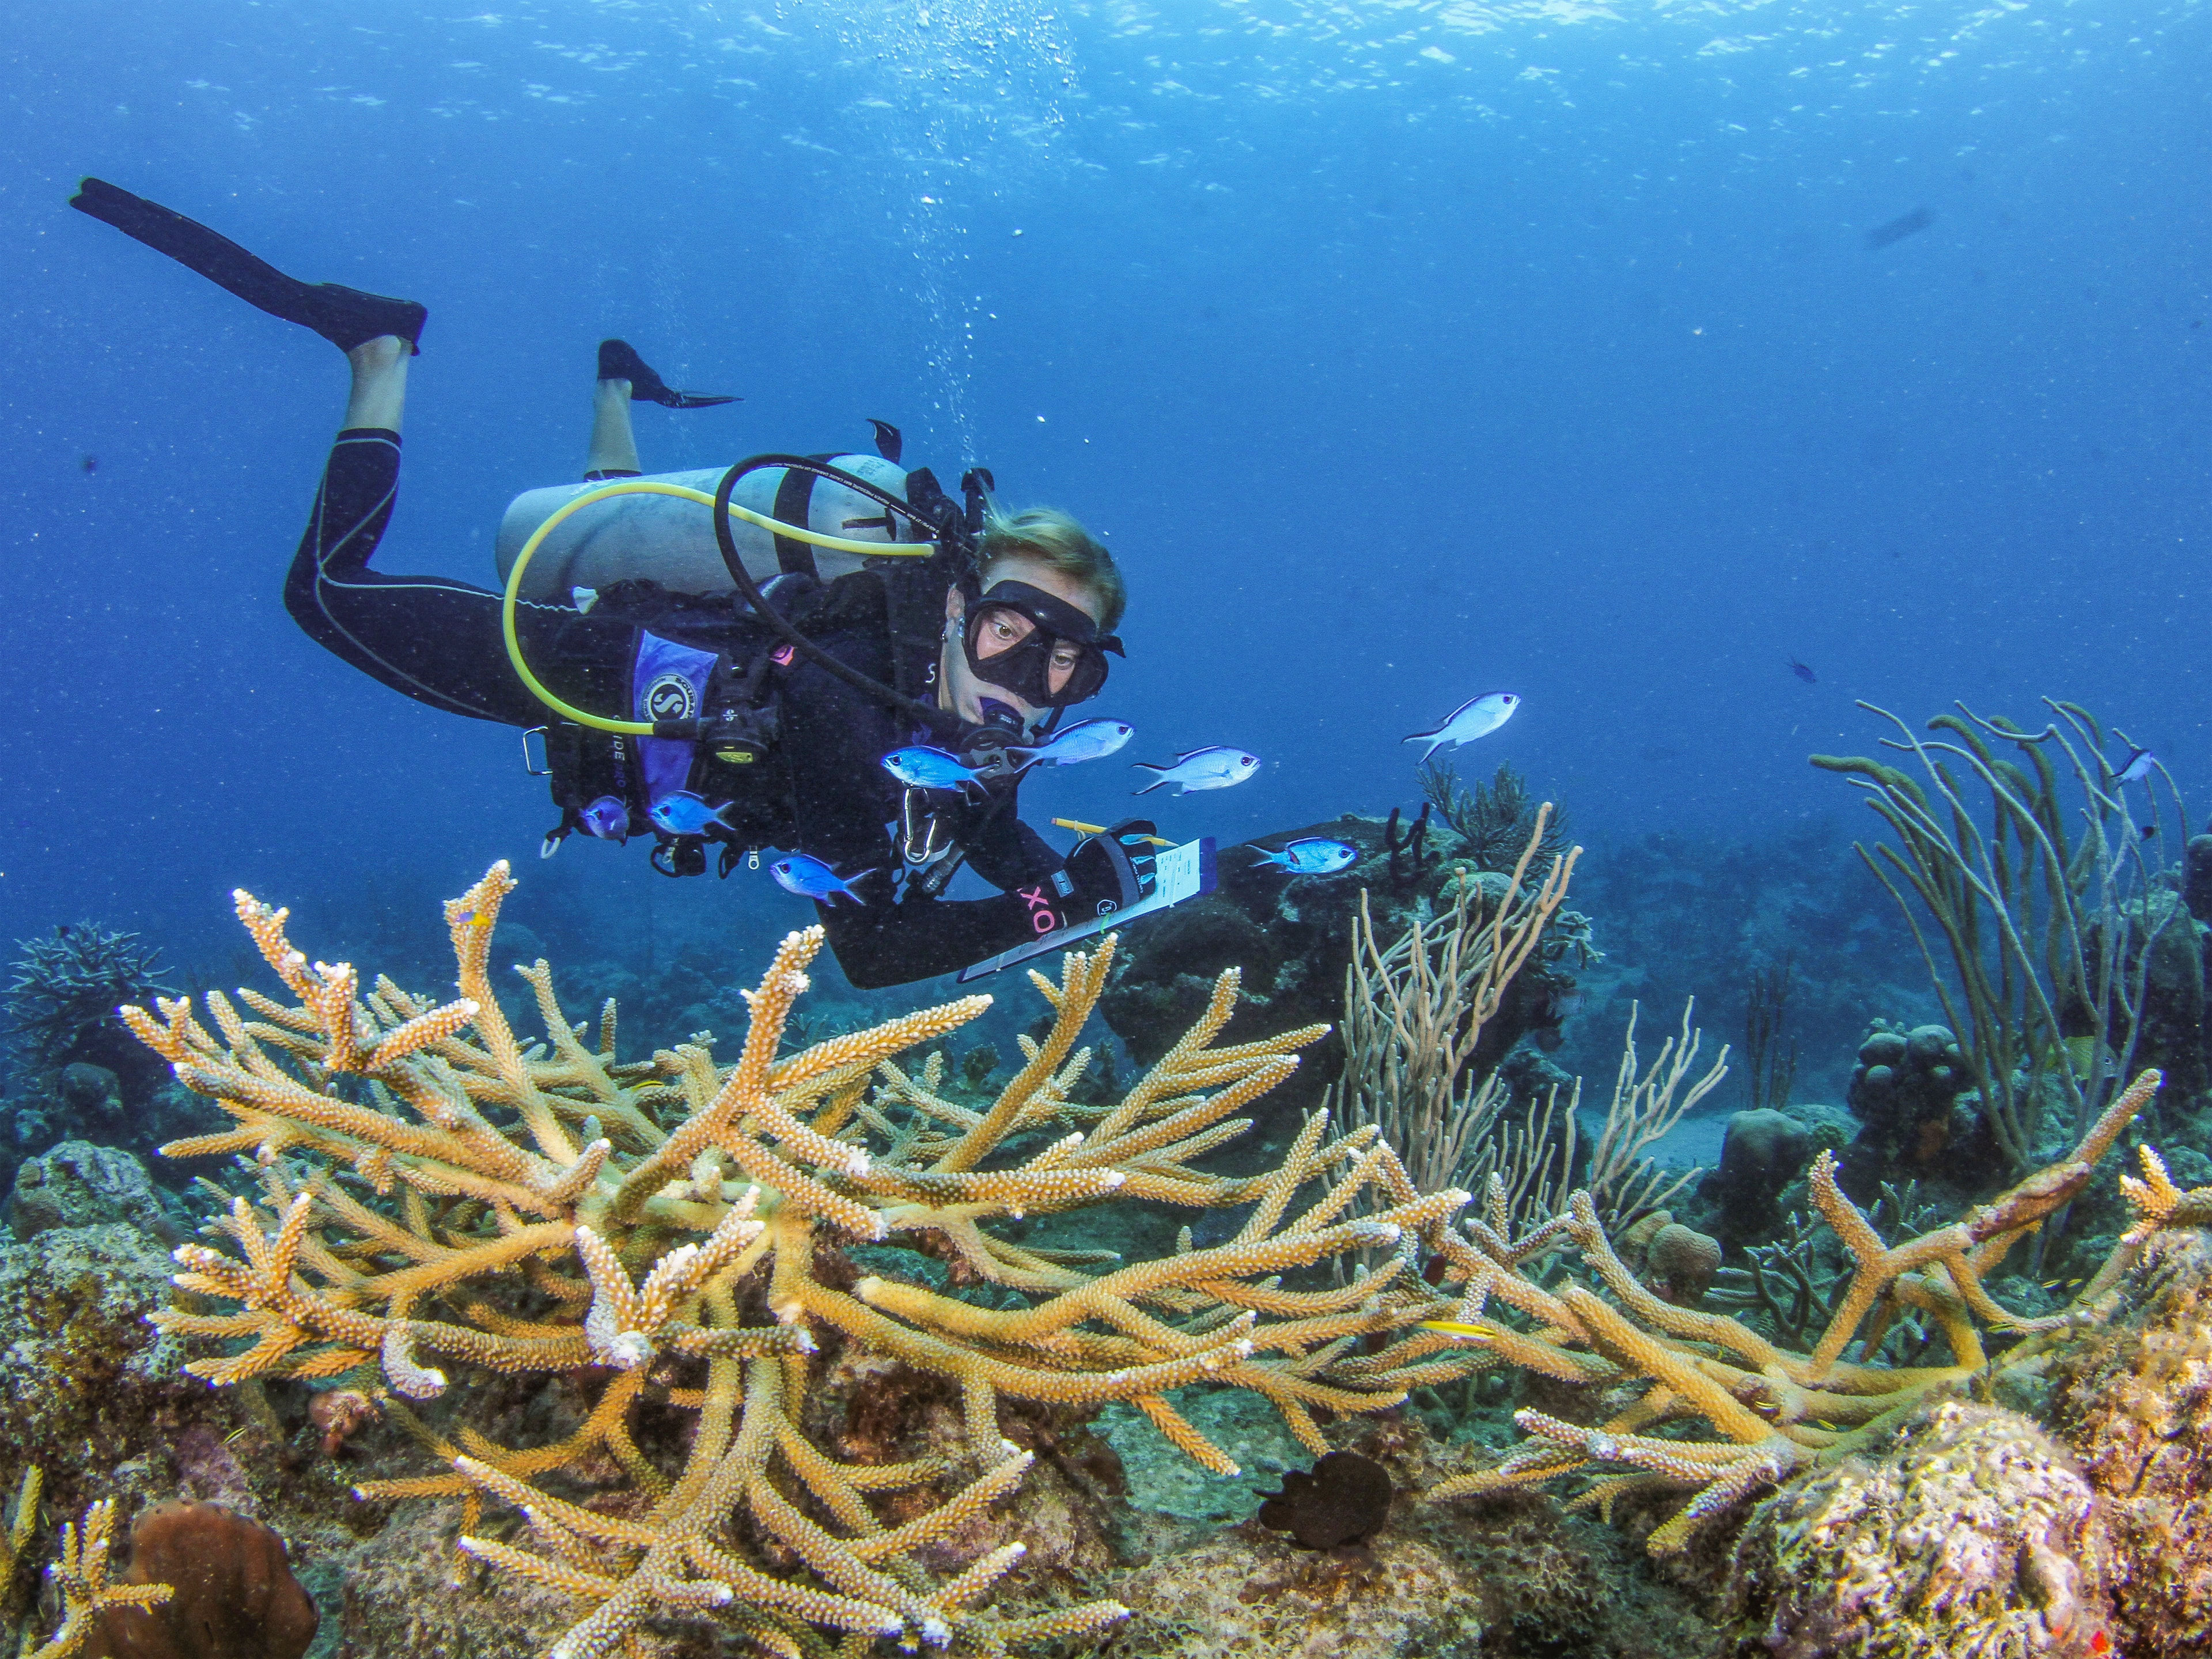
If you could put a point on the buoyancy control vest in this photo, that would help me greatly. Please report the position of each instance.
(689, 654)
(705, 661)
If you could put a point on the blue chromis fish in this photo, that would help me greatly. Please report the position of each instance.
(605, 817)
(2138, 766)
(1217, 768)
(1470, 720)
(1085, 740)
(683, 813)
(923, 768)
(1311, 857)
(810, 878)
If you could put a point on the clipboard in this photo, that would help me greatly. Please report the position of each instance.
(1183, 873)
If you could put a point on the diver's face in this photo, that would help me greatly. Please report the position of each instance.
(958, 687)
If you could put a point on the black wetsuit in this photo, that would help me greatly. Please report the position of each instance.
(439, 641)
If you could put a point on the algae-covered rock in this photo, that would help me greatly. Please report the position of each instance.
(1237, 1597)
(73, 1307)
(77, 1184)
(2135, 1403)
(1164, 1481)
(1969, 1531)
(1905, 1093)
(1762, 1152)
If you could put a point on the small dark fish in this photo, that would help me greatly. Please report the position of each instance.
(1904, 225)
(1802, 672)
(2149, 830)
(1346, 1498)
(90, 464)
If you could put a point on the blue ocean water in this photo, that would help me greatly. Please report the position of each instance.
(1401, 352)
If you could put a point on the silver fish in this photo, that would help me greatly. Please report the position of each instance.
(1311, 857)
(924, 767)
(1476, 719)
(810, 878)
(1084, 741)
(1216, 768)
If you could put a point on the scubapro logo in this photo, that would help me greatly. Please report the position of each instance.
(671, 698)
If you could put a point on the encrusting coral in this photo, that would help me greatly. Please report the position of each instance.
(1974, 1536)
(434, 1193)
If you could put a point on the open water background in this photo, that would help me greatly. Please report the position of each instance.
(1402, 351)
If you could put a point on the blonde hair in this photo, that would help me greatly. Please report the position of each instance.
(1049, 536)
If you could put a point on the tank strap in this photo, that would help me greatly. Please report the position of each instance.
(794, 495)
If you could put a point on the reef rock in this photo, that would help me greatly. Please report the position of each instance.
(78, 1184)
(1972, 1531)
(2171, 1033)
(2134, 1402)
(1762, 1152)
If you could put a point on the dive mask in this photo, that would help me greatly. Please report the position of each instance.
(1022, 639)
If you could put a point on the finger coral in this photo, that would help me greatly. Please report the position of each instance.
(1770, 1412)
(436, 1200)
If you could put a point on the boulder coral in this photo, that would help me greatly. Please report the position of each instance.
(1970, 1532)
(1762, 1152)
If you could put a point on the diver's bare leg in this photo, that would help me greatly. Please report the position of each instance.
(379, 382)
(614, 445)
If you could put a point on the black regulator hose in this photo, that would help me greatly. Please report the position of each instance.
(945, 723)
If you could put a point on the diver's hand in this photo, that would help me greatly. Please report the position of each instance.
(1111, 871)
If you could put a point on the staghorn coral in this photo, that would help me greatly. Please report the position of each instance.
(434, 1194)
(68, 985)
(79, 1575)
(1776, 1413)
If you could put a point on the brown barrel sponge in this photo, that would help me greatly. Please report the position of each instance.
(232, 1593)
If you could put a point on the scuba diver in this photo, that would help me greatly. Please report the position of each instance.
(742, 720)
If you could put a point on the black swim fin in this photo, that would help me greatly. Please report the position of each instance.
(346, 317)
(618, 362)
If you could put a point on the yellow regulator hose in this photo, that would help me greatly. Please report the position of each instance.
(646, 487)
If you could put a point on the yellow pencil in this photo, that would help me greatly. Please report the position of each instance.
(1083, 828)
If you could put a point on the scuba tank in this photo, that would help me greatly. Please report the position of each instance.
(669, 541)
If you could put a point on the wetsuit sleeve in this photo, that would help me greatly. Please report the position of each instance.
(844, 804)
(435, 639)
(1010, 855)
